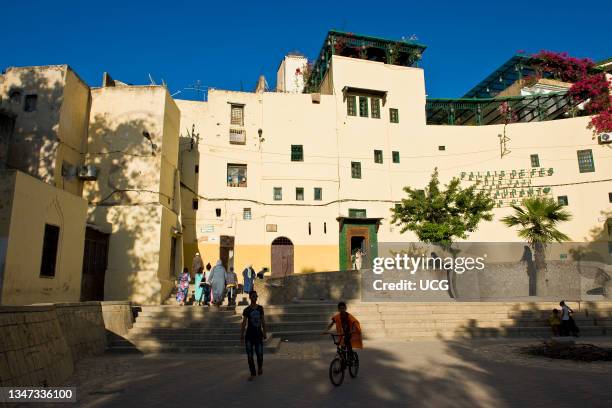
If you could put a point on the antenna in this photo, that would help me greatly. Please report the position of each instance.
(198, 88)
(152, 80)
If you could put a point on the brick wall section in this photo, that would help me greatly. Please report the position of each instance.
(40, 344)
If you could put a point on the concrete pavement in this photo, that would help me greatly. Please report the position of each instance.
(432, 373)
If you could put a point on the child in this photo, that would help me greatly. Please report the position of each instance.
(555, 322)
(231, 281)
(347, 325)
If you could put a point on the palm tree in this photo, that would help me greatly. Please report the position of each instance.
(537, 220)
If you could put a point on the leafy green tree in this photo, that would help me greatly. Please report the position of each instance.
(440, 216)
(537, 219)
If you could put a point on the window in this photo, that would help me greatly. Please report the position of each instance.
(395, 157)
(356, 170)
(610, 197)
(585, 161)
(351, 108)
(194, 204)
(236, 175)
(562, 200)
(393, 115)
(318, 193)
(49, 251)
(278, 193)
(197, 168)
(378, 156)
(357, 213)
(398, 207)
(15, 96)
(218, 212)
(299, 193)
(309, 229)
(363, 106)
(535, 160)
(237, 115)
(297, 153)
(246, 213)
(441, 148)
(375, 105)
(30, 103)
(325, 228)
(237, 136)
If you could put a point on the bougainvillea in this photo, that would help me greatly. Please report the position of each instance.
(588, 86)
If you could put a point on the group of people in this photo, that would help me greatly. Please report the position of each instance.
(212, 284)
(562, 323)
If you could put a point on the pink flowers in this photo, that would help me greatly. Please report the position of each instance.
(587, 86)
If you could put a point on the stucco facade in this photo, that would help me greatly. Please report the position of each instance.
(27, 206)
(135, 198)
(331, 140)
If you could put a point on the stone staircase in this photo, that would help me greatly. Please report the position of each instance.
(438, 320)
(184, 329)
(195, 329)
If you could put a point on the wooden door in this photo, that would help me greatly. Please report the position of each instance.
(282, 257)
(95, 259)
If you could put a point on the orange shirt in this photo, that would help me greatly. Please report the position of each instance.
(356, 338)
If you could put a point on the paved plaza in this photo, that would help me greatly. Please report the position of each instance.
(429, 373)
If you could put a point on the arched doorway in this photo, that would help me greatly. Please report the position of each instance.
(282, 257)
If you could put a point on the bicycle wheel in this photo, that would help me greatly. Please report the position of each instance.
(336, 372)
(354, 367)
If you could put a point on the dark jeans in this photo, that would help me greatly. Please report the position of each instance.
(256, 346)
(569, 327)
(231, 295)
(207, 294)
(349, 347)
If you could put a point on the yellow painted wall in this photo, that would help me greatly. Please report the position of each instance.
(34, 204)
(72, 130)
(144, 211)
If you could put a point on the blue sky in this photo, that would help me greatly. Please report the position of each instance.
(228, 43)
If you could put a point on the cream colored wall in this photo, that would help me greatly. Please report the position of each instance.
(140, 218)
(34, 204)
(35, 138)
(331, 140)
(72, 131)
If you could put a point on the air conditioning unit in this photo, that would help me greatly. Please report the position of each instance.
(88, 172)
(604, 138)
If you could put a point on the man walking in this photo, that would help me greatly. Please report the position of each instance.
(254, 323)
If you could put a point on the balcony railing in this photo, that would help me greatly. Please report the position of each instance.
(237, 136)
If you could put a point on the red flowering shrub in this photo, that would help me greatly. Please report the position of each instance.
(589, 87)
(602, 122)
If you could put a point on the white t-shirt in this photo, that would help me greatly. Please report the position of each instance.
(565, 313)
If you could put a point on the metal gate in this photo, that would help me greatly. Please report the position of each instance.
(95, 257)
(282, 257)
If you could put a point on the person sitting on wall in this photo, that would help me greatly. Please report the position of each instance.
(555, 322)
(260, 274)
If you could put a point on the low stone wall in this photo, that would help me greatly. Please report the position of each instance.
(498, 282)
(40, 344)
(338, 285)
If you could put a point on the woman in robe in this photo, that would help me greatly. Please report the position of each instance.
(182, 288)
(200, 281)
(217, 282)
(249, 276)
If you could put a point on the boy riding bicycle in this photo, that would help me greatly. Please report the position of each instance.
(348, 327)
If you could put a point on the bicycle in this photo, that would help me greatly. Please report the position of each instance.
(342, 361)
